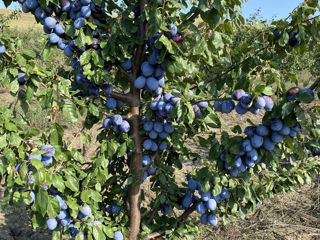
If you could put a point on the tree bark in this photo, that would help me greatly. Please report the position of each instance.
(136, 168)
(136, 172)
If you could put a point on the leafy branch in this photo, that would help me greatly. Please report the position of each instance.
(234, 66)
(181, 218)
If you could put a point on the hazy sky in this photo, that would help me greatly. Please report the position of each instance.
(269, 8)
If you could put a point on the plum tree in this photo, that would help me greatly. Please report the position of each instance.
(153, 78)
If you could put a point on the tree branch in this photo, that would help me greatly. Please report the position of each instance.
(193, 16)
(124, 72)
(153, 157)
(233, 67)
(210, 100)
(152, 215)
(310, 19)
(291, 12)
(261, 49)
(121, 96)
(182, 218)
(315, 84)
(138, 56)
(124, 117)
(8, 55)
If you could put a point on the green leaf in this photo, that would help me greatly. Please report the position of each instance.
(205, 186)
(37, 163)
(122, 149)
(70, 111)
(81, 39)
(287, 109)
(85, 57)
(268, 91)
(213, 120)
(33, 132)
(10, 126)
(29, 53)
(58, 182)
(72, 183)
(14, 86)
(166, 42)
(56, 235)
(212, 17)
(155, 20)
(216, 40)
(47, 52)
(3, 141)
(39, 176)
(199, 47)
(85, 195)
(41, 201)
(217, 189)
(97, 233)
(21, 60)
(93, 109)
(108, 231)
(305, 97)
(53, 208)
(284, 39)
(76, 155)
(190, 115)
(14, 139)
(80, 236)
(9, 155)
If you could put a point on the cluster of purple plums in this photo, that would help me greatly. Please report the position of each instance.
(45, 155)
(206, 204)
(261, 136)
(246, 103)
(49, 17)
(159, 127)
(116, 123)
(152, 72)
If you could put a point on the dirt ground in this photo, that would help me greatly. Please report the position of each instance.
(290, 216)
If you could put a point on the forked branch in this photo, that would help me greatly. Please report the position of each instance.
(182, 218)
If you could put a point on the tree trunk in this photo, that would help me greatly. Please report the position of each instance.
(136, 169)
(136, 172)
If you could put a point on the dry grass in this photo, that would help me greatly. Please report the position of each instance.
(24, 23)
(290, 216)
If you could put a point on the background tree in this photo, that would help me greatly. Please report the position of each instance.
(157, 73)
